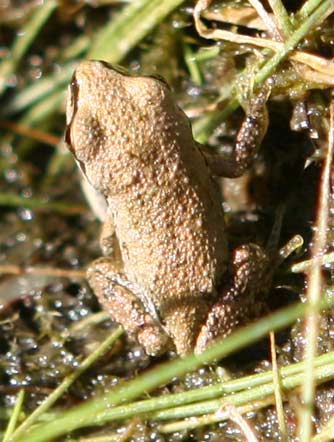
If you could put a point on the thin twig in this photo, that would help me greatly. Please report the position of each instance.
(35, 134)
(14, 200)
(12, 269)
(277, 381)
(242, 423)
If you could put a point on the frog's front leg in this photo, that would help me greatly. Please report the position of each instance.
(249, 275)
(234, 163)
(108, 241)
(114, 292)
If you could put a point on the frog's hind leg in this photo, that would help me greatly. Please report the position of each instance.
(249, 275)
(114, 292)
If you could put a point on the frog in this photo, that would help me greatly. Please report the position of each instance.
(166, 274)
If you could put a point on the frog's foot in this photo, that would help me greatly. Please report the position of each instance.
(250, 275)
(153, 338)
(115, 294)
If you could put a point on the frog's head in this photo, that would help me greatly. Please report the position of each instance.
(113, 117)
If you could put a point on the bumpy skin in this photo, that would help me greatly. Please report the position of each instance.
(164, 234)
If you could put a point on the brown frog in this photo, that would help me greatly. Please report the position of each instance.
(166, 275)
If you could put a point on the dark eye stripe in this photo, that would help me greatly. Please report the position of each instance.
(74, 104)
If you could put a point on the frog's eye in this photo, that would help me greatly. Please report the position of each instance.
(161, 80)
(123, 71)
(116, 67)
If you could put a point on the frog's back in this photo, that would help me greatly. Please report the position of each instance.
(168, 213)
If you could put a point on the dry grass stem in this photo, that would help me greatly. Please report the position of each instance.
(10, 269)
(245, 16)
(238, 419)
(266, 18)
(35, 134)
(278, 390)
(322, 69)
